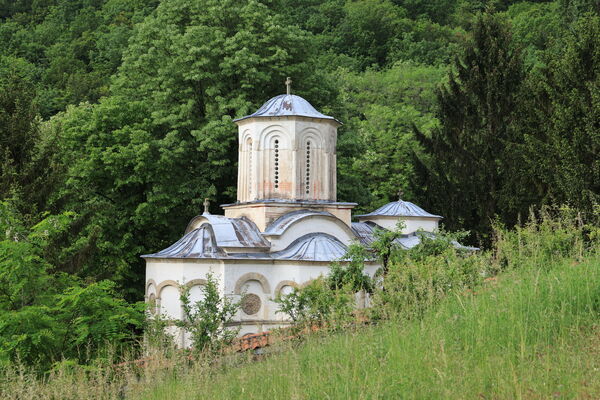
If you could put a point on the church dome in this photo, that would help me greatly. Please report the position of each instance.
(286, 105)
(313, 247)
(401, 208)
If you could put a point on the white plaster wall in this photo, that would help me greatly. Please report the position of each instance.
(262, 278)
(412, 224)
(274, 273)
(196, 293)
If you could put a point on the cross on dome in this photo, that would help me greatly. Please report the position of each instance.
(288, 85)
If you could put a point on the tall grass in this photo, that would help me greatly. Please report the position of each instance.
(530, 334)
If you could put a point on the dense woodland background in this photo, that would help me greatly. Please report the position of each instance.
(116, 122)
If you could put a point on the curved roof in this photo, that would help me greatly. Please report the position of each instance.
(286, 105)
(199, 243)
(313, 247)
(232, 232)
(365, 232)
(279, 226)
(401, 208)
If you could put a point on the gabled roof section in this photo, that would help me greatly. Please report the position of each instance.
(401, 208)
(286, 105)
(231, 232)
(199, 243)
(313, 247)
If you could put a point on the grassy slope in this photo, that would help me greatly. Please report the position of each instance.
(531, 334)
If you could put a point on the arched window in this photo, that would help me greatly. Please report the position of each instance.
(276, 164)
(308, 168)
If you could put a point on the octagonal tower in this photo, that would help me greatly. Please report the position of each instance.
(287, 161)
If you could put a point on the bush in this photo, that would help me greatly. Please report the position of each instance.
(317, 303)
(207, 319)
(417, 279)
(46, 317)
(553, 232)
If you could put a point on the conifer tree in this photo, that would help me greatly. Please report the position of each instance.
(466, 172)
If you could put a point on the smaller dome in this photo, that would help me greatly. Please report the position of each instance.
(286, 105)
(401, 208)
(313, 247)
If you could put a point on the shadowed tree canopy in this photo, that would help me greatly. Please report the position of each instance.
(466, 173)
(561, 122)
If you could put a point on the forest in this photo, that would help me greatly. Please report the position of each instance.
(116, 123)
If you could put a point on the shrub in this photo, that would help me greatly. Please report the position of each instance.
(206, 320)
(317, 303)
(551, 233)
(46, 317)
(353, 274)
(419, 278)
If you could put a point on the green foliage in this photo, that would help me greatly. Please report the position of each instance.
(561, 149)
(73, 46)
(351, 275)
(317, 303)
(375, 147)
(45, 317)
(574, 9)
(470, 169)
(422, 277)
(551, 234)
(207, 319)
(537, 27)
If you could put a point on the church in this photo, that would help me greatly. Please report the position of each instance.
(286, 226)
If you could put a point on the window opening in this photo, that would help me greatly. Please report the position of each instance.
(276, 164)
(308, 165)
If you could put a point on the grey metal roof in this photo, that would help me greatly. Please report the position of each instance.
(279, 226)
(287, 105)
(401, 208)
(313, 247)
(234, 232)
(199, 243)
(365, 232)
(408, 241)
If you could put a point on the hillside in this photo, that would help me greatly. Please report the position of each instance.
(529, 334)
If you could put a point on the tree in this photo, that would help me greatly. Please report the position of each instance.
(467, 174)
(573, 9)
(47, 316)
(379, 109)
(560, 122)
(144, 158)
(19, 129)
